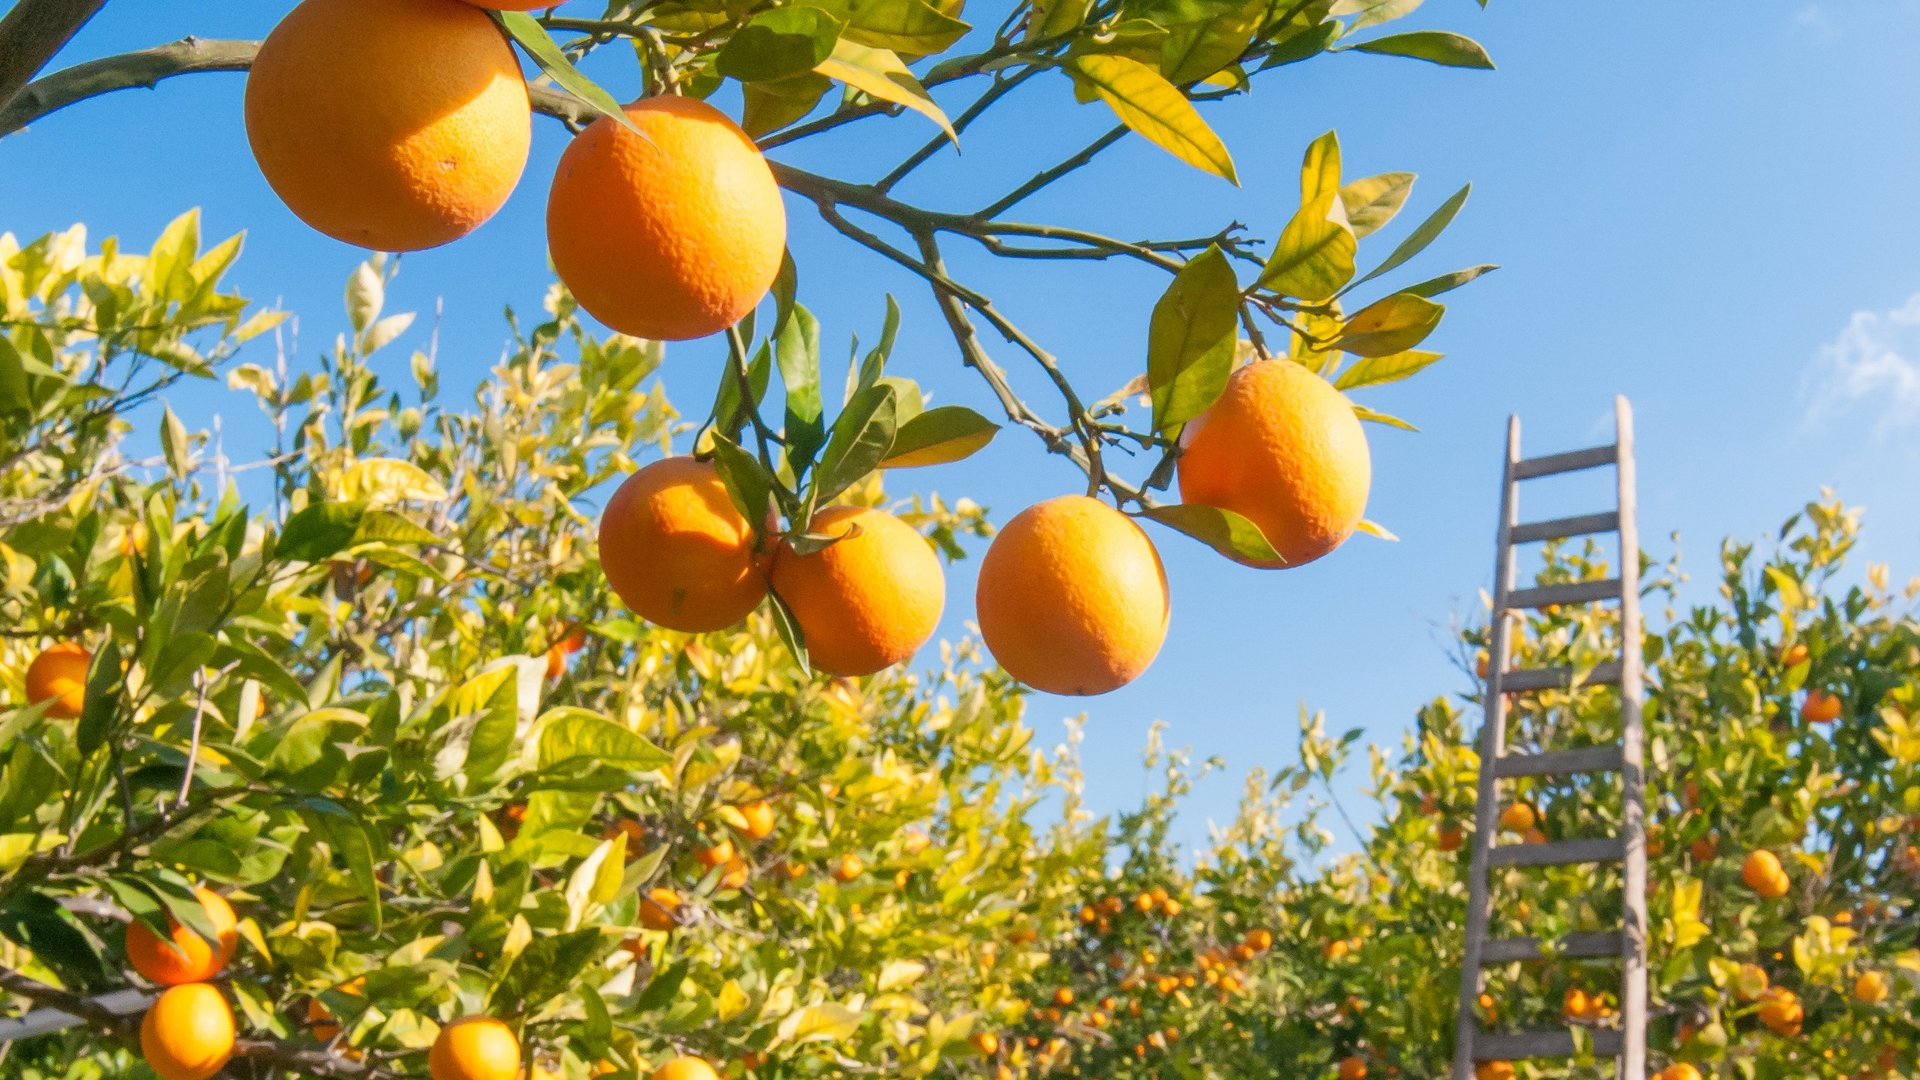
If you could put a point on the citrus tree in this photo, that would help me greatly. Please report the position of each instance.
(1782, 840)
(357, 736)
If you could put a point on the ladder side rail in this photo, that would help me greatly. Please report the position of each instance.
(1492, 745)
(1633, 996)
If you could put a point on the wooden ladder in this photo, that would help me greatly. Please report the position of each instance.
(1628, 1044)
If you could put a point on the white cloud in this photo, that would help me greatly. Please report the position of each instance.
(1873, 365)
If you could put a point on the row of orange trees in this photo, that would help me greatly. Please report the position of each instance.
(437, 772)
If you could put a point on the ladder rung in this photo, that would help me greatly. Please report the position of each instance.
(1561, 528)
(1577, 592)
(1556, 1043)
(1559, 852)
(1557, 678)
(1584, 759)
(1584, 946)
(1571, 461)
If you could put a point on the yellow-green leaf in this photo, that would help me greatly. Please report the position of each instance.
(1314, 256)
(881, 74)
(1390, 324)
(825, 1022)
(1375, 370)
(1146, 102)
(1374, 200)
(1320, 168)
(380, 481)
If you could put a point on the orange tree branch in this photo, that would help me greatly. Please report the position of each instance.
(32, 33)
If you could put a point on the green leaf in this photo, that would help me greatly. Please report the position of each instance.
(390, 527)
(321, 530)
(1191, 339)
(911, 27)
(878, 73)
(548, 966)
(770, 106)
(1372, 12)
(1304, 44)
(779, 44)
(1365, 413)
(861, 438)
(1150, 105)
(1448, 282)
(105, 684)
(747, 481)
(790, 632)
(38, 923)
(1320, 169)
(730, 407)
(938, 436)
(173, 443)
(1425, 234)
(1373, 201)
(1222, 530)
(574, 734)
(1313, 257)
(1390, 324)
(1054, 18)
(797, 350)
(1375, 370)
(1433, 46)
(523, 28)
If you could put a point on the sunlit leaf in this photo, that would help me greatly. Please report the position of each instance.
(1191, 339)
(1150, 105)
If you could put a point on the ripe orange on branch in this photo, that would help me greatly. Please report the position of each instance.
(678, 551)
(1820, 707)
(185, 957)
(188, 1033)
(672, 234)
(391, 124)
(475, 1048)
(1072, 598)
(59, 675)
(1764, 875)
(867, 601)
(1283, 449)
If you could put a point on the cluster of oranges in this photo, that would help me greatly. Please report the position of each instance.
(188, 1032)
(668, 227)
(1762, 872)
(1071, 597)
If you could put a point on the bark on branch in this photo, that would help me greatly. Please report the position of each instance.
(32, 33)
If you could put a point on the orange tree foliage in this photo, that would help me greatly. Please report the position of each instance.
(375, 692)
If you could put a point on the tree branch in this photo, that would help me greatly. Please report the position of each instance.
(127, 71)
(32, 33)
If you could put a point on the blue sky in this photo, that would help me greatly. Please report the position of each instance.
(1710, 212)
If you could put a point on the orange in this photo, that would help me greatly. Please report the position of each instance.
(1282, 448)
(1764, 875)
(1704, 849)
(660, 909)
(1072, 598)
(986, 1042)
(677, 550)
(867, 601)
(1750, 982)
(475, 1048)
(1534, 836)
(1481, 663)
(670, 235)
(188, 1033)
(1518, 817)
(1063, 997)
(369, 144)
(736, 874)
(1451, 837)
(186, 957)
(1493, 1070)
(1793, 654)
(685, 1068)
(1577, 1005)
(1870, 988)
(516, 5)
(1679, 1071)
(719, 854)
(759, 820)
(60, 674)
(1353, 1068)
(847, 867)
(572, 642)
(1820, 707)
(1782, 1012)
(1259, 940)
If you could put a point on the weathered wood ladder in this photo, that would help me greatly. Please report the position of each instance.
(1628, 1044)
